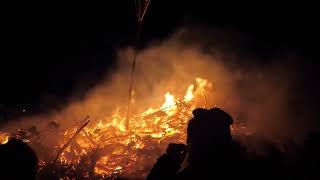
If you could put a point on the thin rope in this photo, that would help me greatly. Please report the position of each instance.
(140, 14)
(131, 82)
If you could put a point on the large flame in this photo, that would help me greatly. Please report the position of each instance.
(132, 151)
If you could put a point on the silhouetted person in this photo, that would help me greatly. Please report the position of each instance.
(212, 153)
(18, 161)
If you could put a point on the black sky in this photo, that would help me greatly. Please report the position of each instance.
(50, 51)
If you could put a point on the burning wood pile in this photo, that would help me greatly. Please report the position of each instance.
(107, 149)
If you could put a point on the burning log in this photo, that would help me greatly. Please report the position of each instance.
(159, 113)
(70, 140)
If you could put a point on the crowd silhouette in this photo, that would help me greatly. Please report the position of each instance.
(210, 152)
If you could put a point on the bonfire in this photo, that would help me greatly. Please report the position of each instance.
(108, 148)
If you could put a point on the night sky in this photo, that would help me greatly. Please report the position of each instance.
(49, 52)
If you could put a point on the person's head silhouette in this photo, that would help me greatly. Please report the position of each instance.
(210, 149)
(18, 160)
(208, 130)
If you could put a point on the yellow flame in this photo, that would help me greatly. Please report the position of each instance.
(169, 106)
(169, 102)
(202, 83)
(189, 95)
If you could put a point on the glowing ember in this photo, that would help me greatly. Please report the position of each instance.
(4, 137)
